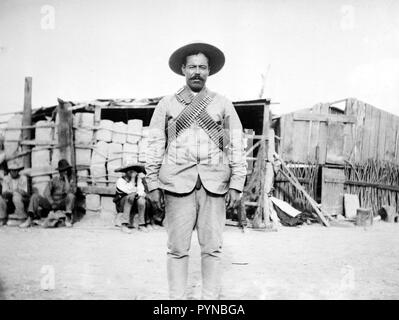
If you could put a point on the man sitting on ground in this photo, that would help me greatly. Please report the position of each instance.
(14, 195)
(58, 201)
(129, 197)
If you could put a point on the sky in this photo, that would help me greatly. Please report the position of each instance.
(308, 51)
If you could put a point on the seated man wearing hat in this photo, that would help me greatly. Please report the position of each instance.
(58, 201)
(130, 195)
(14, 195)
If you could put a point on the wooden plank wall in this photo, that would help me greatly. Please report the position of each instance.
(304, 141)
(375, 135)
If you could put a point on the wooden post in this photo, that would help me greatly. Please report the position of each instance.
(261, 218)
(65, 135)
(26, 134)
(27, 120)
(265, 167)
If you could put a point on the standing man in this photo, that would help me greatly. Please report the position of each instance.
(195, 162)
(14, 195)
(58, 199)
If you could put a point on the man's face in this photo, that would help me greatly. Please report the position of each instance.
(196, 71)
(14, 174)
(63, 173)
(131, 174)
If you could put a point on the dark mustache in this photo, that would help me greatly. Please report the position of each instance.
(196, 78)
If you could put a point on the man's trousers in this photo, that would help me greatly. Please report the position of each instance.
(39, 206)
(13, 203)
(127, 206)
(205, 212)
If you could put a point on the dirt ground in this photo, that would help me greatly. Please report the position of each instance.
(97, 262)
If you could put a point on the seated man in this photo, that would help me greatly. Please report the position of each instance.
(129, 197)
(57, 202)
(14, 194)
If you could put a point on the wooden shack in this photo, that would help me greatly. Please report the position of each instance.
(348, 146)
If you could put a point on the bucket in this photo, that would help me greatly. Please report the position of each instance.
(364, 217)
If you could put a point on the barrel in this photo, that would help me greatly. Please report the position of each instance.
(93, 203)
(143, 146)
(11, 147)
(40, 157)
(55, 157)
(114, 161)
(119, 132)
(130, 153)
(104, 133)
(82, 177)
(98, 170)
(43, 131)
(83, 123)
(83, 156)
(39, 184)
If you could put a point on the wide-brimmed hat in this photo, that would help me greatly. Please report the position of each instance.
(215, 56)
(63, 165)
(15, 164)
(138, 167)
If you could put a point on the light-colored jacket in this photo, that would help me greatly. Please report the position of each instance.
(175, 166)
(19, 184)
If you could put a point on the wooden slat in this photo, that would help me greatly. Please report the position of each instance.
(98, 190)
(358, 108)
(368, 123)
(332, 190)
(97, 119)
(335, 143)
(374, 127)
(300, 132)
(381, 135)
(324, 117)
(249, 151)
(390, 138)
(373, 185)
(27, 120)
(39, 143)
(322, 145)
(396, 153)
(287, 146)
(315, 137)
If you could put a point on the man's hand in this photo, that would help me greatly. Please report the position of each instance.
(233, 198)
(157, 200)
